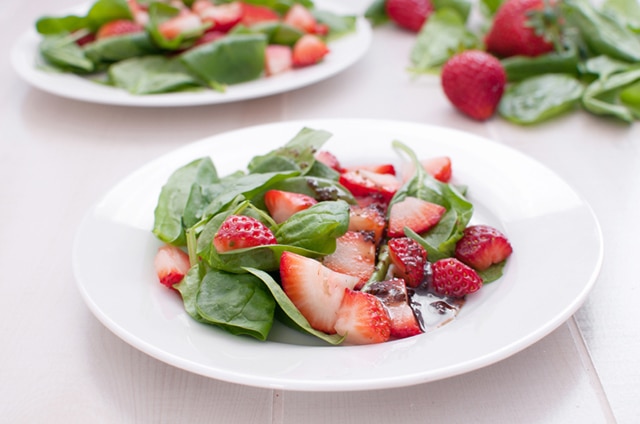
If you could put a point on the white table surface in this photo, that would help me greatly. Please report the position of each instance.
(58, 363)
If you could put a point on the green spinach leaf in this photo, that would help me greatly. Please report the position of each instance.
(151, 75)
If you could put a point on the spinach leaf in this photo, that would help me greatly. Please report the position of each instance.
(319, 188)
(160, 13)
(602, 96)
(150, 75)
(173, 198)
(239, 303)
(116, 48)
(339, 26)
(604, 66)
(627, 11)
(61, 51)
(463, 7)
(276, 32)
(443, 35)
(101, 12)
(230, 60)
(376, 13)
(519, 68)
(493, 273)
(540, 98)
(189, 288)
(48, 25)
(296, 319)
(296, 154)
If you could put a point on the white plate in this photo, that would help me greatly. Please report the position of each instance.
(344, 52)
(557, 256)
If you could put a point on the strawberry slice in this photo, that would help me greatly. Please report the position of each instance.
(253, 14)
(300, 17)
(282, 204)
(314, 289)
(417, 214)
(355, 255)
(482, 246)
(368, 218)
(185, 23)
(450, 277)
(171, 265)
(278, 59)
(118, 27)
(362, 319)
(382, 168)
(363, 183)
(223, 17)
(329, 159)
(408, 259)
(309, 50)
(393, 294)
(438, 167)
(139, 12)
(239, 232)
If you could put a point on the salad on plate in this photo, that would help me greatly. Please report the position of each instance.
(356, 254)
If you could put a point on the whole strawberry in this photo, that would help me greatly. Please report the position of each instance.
(474, 81)
(450, 277)
(409, 14)
(513, 31)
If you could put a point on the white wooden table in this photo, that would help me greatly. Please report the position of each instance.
(59, 364)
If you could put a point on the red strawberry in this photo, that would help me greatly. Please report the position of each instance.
(309, 50)
(364, 183)
(355, 255)
(253, 14)
(278, 59)
(300, 17)
(409, 14)
(282, 204)
(482, 246)
(381, 168)
(368, 218)
(223, 17)
(139, 12)
(513, 34)
(118, 27)
(417, 214)
(329, 159)
(450, 277)
(362, 319)
(408, 259)
(239, 232)
(393, 294)
(186, 24)
(474, 81)
(314, 289)
(171, 264)
(438, 167)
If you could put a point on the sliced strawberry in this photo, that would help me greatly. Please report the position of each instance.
(450, 277)
(300, 17)
(171, 264)
(368, 218)
(278, 59)
(314, 289)
(223, 16)
(364, 183)
(118, 27)
(282, 204)
(417, 214)
(355, 255)
(139, 12)
(438, 167)
(408, 259)
(309, 50)
(253, 14)
(382, 168)
(239, 232)
(186, 24)
(393, 294)
(373, 200)
(329, 159)
(482, 246)
(362, 319)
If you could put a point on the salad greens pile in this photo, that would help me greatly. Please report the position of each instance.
(239, 290)
(597, 66)
(147, 62)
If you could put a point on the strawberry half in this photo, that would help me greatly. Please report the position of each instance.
(118, 27)
(368, 218)
(450, 277)
(223, 17)
(253, 14)
(309, 50)
(300, 17)
(482, 246)
(314, 289)
(329, 159)
(277, 59)
(362, 319)
(393, 294)
(171, 265)
(282, 204)
(239, 232)
(362, 183)
(409, 14)
(417, 214)
(408, 259)
(355, 255)
(438, 167)
(382, 168)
